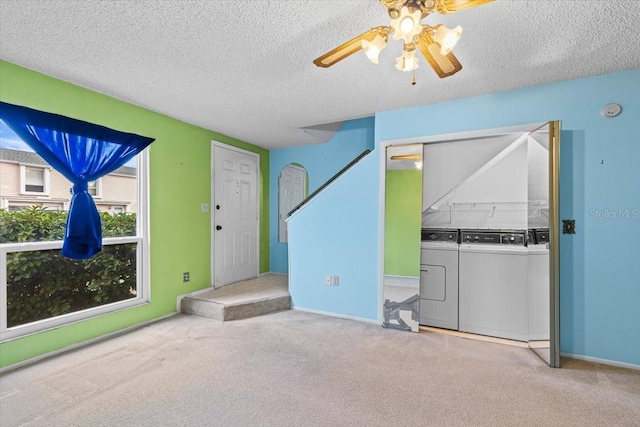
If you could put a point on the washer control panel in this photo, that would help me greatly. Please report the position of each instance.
(438, 235)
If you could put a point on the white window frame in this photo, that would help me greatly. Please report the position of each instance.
(46, 176)
(98, 194)
(142, 268)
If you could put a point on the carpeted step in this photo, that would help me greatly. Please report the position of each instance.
(233, 311)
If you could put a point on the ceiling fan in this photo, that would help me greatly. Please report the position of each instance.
(435, 43)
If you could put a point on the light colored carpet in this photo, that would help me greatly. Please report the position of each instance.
(300, 369)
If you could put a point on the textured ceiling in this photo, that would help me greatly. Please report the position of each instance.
(244, 68)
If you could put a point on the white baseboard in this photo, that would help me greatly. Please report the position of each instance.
(408, 281)
(272, 273)
(601, 361)
(76, 346)
(341, 316)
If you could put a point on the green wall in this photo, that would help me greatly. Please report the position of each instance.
(180, 168)
(403, 204)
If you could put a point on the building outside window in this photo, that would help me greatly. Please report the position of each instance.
(27, 180)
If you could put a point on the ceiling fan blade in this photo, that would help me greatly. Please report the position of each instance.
(446, 7)
(349, 48)
(444, 65)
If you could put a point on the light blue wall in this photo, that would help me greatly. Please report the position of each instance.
(321, 161)
(336, 234)
(600, 170)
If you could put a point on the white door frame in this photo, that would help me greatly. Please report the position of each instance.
(212, 209)
(304, 194)
(554, 209)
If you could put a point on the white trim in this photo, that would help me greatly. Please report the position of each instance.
(142, 269)
(98, 188)
(46, 180)
(86, 343)
(214, 144)
(143, 228)
(57, 244)
(3, 291)
(404, 281)
(340, 316)
(8, 334)
(272, 273)
(382, 190)
(601, 361)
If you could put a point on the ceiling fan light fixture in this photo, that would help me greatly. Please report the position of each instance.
(373, 48)
(408, 60)
(407, 25)
(435, 43)
(447, 38)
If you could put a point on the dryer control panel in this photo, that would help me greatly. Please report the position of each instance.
(494, 237)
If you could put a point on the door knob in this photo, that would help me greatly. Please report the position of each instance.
(218, 227)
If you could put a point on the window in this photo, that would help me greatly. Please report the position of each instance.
(40, 289)
(95, 188)
(34, 180)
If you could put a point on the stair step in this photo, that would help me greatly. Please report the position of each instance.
(241, 310)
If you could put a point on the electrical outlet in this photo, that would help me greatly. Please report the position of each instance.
(327, 280)
(335, 280)
(204, 207)
(185, 277)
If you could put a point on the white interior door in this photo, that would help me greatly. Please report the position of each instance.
(291, 191)
(235, 215)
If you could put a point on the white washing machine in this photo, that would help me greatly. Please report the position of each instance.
(439, 278)
(494, 284)
(539, 319)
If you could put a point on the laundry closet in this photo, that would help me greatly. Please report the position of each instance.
(484, 236)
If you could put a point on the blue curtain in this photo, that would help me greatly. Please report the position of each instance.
(82, 152)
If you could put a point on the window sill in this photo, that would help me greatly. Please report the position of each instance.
(35, 193)
(45, 325)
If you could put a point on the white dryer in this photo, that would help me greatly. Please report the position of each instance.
(539, 319)
(494, 284)
(439, 278)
